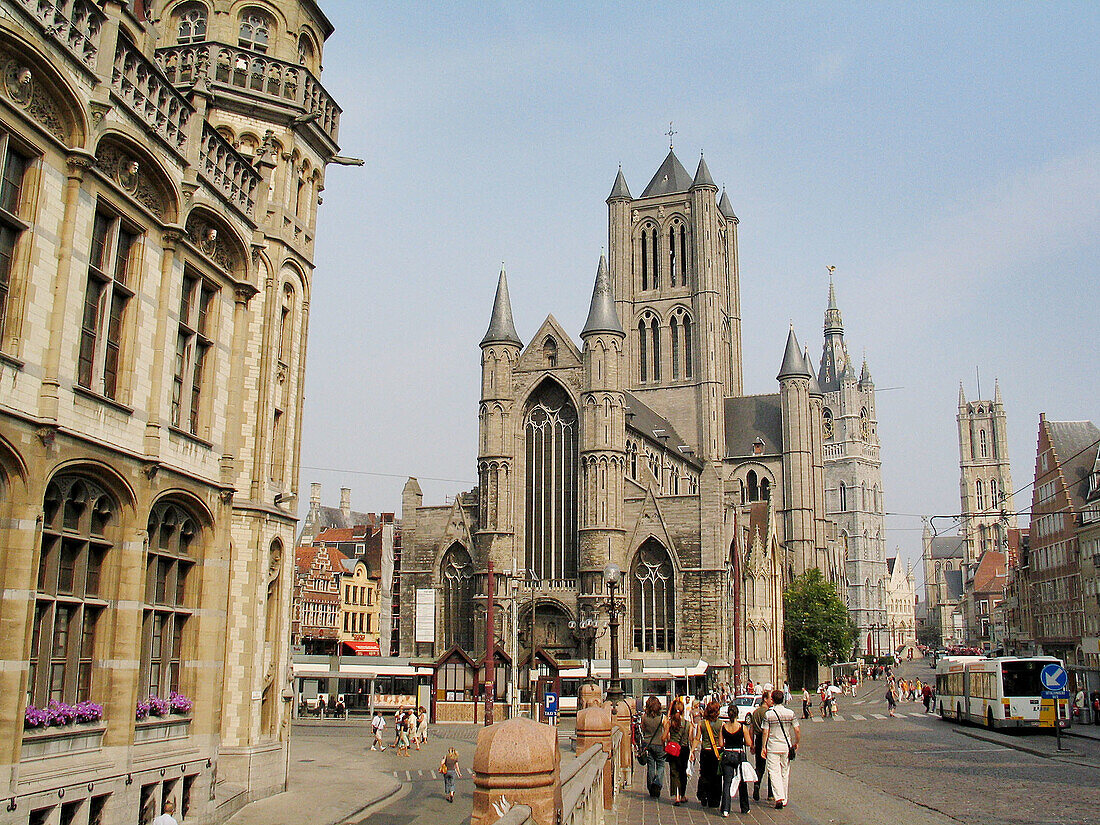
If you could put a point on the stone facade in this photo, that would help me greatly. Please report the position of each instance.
(853, 484)
(637, 447)
(901, 606)
(156, 225)
(985, 476)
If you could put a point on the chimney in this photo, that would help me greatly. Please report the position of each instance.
(345, 504)
(314, 495)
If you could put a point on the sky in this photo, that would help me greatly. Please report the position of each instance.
(945, 158)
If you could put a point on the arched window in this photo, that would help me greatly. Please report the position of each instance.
(170, 559)
(255, 31)
(983, 446)
(651, 598)
(979, 494)
(273, 636)
(683, 255)
(994, 493)
(456, 578)
(632, 453)
(656, 274)
(286, 323)
(765, 490)
(655, 330)
(643, 334)
(191, 26)
(550, 351)
(686, 324)
(644, 255)
(675, 263)
(674, 337)
(753, 486)
(305, 52)
(843, 497)
(13, 170)
(550, 434)
(77, 518)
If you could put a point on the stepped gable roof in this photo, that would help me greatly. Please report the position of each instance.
(502, 329)
(947, 547)
(619, 190)
(602, 316)
(794, 364)
(643, 420)
(330, 557)
(954, 581)
(671, 177)
(702, 175)
(749, 417)
(1075, 450)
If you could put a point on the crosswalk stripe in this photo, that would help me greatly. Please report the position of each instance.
(878, 715)
(420, 774)
(408, 776)
(918, 715)
(838, 717)
(860, 718)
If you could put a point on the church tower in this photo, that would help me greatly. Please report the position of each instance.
(798, 465)
(985, 477)
(853, 481)
(673, 266)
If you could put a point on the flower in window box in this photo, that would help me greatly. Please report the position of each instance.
(179, 703)
(60, 713)
(35, 717)
(158, 706)
(88, 711)
(142, 709)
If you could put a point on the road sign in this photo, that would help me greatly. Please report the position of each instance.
(550, 703)
(1054, 681)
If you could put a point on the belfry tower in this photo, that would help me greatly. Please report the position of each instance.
(985, 477)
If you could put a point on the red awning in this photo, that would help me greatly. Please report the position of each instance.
(364, 648)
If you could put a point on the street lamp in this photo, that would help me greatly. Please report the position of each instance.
(612, 575)
(586, 631)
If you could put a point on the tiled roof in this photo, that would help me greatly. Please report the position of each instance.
(990, 575)
(749, 417)
(671, 177)
(948, 547)
(645, 421)
(1075, 448)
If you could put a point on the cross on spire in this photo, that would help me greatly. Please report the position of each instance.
(670, 133)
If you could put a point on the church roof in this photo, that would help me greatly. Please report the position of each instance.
(702, 175)
(836, 366)
(602, 316)
(865, 373)
(794, 365)
(619, 191)
(954, 581)
(947, 547)
(815, 386)
(656, 427)
(749, 417)
(502, 329)
(890, 562)
(670, 178)
(989, 577)
(725, 207)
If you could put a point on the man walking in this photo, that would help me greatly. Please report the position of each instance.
(756, 720)
(926, 694)
(378, 724)
(781, 738)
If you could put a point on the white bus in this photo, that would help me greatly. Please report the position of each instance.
(997, 692)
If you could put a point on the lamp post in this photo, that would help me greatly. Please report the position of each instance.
(586, 631)
(612, 576)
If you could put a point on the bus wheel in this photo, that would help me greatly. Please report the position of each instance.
(943, 713)
(989, 718)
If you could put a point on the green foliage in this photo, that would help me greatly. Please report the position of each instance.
(817, 623)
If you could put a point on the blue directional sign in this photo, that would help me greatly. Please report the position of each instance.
(550, 703)
(1054, 681)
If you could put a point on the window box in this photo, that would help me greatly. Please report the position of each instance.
(53, 741)
(162, 728)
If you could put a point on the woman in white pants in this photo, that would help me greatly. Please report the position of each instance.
(781, 737)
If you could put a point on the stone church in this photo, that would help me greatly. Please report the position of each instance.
(637, 445)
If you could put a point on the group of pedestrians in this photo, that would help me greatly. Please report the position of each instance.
(718, 751)
(410, 728)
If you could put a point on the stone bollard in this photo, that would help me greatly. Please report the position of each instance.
(621, 721)
(594, 728)
(590, 694)
(517, 760)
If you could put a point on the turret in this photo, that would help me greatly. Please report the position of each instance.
(830, 567)
(798, 505)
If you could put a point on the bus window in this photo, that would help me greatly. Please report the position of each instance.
(1022, 678)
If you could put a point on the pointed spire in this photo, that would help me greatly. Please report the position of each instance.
(794, 366)
(865, 374)
(602, 316)
(962, 396)
(670, 178)
(833, 322)
(997, 392)
(502, 329)
(815, 386)
(702, 176)
(619, 191)
(725, 207)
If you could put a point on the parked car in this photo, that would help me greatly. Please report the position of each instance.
(746, 704)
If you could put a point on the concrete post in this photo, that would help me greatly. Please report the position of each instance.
(623, 714)
(517, 759)
(590, 695)
(594, 728)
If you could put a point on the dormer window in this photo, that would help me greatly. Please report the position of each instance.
(758, 447)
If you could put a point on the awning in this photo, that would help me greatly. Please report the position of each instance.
(364, 648)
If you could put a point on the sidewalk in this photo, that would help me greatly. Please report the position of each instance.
(1044, 745)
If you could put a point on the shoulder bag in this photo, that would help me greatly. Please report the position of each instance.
(640, 755)
(792, 751)
(673, 747)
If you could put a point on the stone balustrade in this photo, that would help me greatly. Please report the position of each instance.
(140, 85)
(75, 25)
(228, 170)
(257, 74)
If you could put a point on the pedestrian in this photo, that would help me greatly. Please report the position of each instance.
(780, 747)
(654, 734)
(378, 724)
(1096, 707)
(709, 788)
(321, 706)
(678, 749)
(735, 738)
(891, 699)
(166, 817)
(449, 768)
(756, 722)
(340, 709)
(926, 694)
(806, 705)
(398, 723)
(422, 728)
(403, 737)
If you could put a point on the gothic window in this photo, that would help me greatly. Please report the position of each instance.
(765, 490)
(457, 582)
(827, 423)
(643, 372)
(644, 240)
(686, 325)
(77, 517)
(191, 24)
(110, 286)
(172, 554)
(979, 494)
(550, 351)
(193, 342)
(305, 52)
(864, 423)
(255, 31)
(651, 606)
(12, 175)
(674, 335)
(655, 330)
(753, 485)
(843, 497)
(982, 445)
(656, 274)
(632, 457)
(550, 435)
(677, 254)
(994, 493)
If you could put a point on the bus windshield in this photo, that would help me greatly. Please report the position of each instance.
(1022, 678)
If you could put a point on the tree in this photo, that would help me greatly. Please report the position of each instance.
(818, 628)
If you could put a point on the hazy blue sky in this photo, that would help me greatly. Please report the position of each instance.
(945, 158)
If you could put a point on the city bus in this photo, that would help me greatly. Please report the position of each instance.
(997, 692)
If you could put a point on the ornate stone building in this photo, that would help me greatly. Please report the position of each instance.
(161, 169)
(901, 607)
(639, 447)
(985, 476)
(853, 483)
